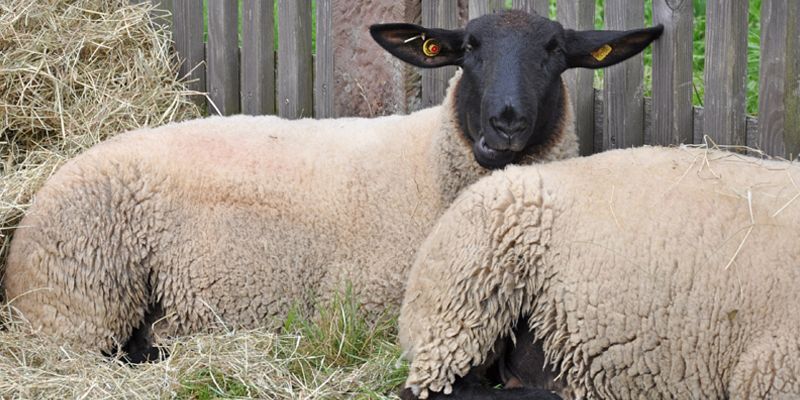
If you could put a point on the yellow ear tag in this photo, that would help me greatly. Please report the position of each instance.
(431, 48)
(602, 52)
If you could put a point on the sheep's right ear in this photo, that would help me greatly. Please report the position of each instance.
(600, 49)
(419, 46)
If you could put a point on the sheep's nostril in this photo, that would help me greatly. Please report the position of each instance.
(501, 127)
(507, 127)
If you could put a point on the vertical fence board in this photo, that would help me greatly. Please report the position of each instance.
(258, 57)
(541, 7)
(672, 73)
(623, 87)
(222, 73)
(323, 63)
(188, 37)
(162, 10)
(779, 86)
(437, 14)
(579, 14)
(726, 71)
(481, 7)
(294, 59)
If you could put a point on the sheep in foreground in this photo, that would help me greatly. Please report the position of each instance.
(646, 273)
(238, 219)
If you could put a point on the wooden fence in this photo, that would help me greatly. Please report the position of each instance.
(241, 80)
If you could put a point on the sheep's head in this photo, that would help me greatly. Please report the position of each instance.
(510, 97)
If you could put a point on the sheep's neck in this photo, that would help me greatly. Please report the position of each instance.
(455, 164)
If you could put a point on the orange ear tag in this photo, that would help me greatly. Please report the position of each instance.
(431, 48)
(601, 53)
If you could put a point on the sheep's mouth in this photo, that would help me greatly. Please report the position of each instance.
(490, 158)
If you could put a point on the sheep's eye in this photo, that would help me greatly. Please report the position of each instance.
(470, 44)
(551, 46)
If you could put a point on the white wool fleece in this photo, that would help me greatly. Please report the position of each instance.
(238, 219)
(648, 273)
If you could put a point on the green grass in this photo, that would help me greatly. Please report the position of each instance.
(211, 384)
(339, 343)
(341, 338)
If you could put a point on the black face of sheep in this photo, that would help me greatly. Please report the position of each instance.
(510, 99)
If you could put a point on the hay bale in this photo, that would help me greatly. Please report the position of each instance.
(73, 73)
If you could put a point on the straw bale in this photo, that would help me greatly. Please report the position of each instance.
(73, 73)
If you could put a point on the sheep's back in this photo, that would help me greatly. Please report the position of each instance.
(668, 263)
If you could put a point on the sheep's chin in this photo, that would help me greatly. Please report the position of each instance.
(490, 158)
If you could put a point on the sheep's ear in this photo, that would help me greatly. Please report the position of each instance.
(419, 46)
(599, 49)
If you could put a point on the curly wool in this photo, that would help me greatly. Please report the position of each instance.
(647, 273)
(236, 220)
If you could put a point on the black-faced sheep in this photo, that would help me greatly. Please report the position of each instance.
(646, 273)
(237, 219)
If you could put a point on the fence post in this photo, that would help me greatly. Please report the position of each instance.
(726, 71)
(159, 9)
(294, 59)
(258, 57)
(623, 87)
(579, 15)
(437, 14)
(779, 86)
(672, 73)
(188, 37)
(481, 7)
(223, 57)
(541, 7)
(323, 63)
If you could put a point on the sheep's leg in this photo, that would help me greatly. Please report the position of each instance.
(769, 368)
(78, 269)
(140, 346)
(524, 363)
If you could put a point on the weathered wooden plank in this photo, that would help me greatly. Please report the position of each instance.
(258, 57)
(481, 7)
(752, 134)
(672, 73)
(649, 126)
(437, 14)
(162, 10)
(599, 118)
(726, 71)
(188, 35)
(222, 76)
(541, 7)
(697, 117)
(579, 14)
(623, 83)
(294, 59)
(323, 62)
(698, 132)
(779, 89)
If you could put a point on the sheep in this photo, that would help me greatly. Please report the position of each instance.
(240, 219)
(642, 273)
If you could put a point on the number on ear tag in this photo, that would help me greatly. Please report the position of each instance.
(601, 53)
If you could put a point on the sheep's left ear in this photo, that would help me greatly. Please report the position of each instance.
(420, 46)
(599, 49)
